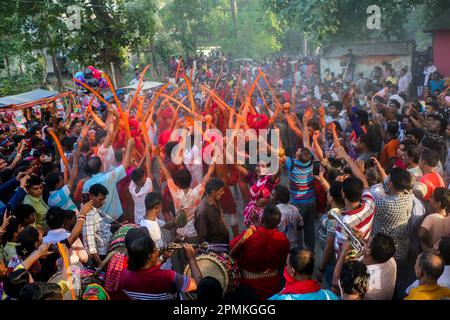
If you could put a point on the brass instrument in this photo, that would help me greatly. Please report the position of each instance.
(173, 246)
(355, 242)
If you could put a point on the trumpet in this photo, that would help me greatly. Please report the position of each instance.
(173, 246)
(355, 242)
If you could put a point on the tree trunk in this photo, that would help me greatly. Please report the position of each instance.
(57, 71)
(233, 16)
(8, 69)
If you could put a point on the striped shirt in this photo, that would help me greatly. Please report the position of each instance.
(154, 284)
(301, 181)
(360, 218)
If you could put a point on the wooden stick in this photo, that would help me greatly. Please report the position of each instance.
(65, 258)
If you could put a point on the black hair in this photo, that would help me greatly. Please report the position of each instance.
(431, 264)
(137, 174)
(12, 227)
(118, 155)
(382, 247)
(336, 192)
(152, 200)
(417, 133)
(26, 240)
(433, 104)
(430, 157)
(209, 289)
(169, 147)
(353, 189)
(282, 194)
(392, 128)
(34, 181)
(354, 278)
(441, 119)
(363, 117)
(243, 293)
(15, 282)
(302, 261)
(52, 180)
(413, 152)
(55, 217)
(139, 246)
(23, 211)
(444, 250)
(337, 104)
(41, 291)
(49, 168)
(401, 179)
(214, 184)
(183, 179)
(98, 189)
(271, 217)
(442, 195)
(94, 165)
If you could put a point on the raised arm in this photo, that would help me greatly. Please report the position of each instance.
(306, 118)
(317, 148)
(340, 153)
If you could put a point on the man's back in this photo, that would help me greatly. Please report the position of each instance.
(152, 284)
(428, 292)
(392, 217)
(265, 249)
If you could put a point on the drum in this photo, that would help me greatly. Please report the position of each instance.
(81, 278)
(118, 239)
(59, 276)
(220, 266)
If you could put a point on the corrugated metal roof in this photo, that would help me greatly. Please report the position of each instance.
(367, 49)
(26, 97)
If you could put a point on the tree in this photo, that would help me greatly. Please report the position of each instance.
(338, 20)
(110, 30)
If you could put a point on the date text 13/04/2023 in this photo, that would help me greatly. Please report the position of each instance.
(224, 310)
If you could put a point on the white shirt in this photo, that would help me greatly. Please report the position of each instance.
(77, 249)
(382, 280)
(193, 162)
(403, 84)
(154, 228)
(139, 198)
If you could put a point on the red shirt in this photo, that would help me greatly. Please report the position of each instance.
(432, 181)
(264, 250)
(153, 284)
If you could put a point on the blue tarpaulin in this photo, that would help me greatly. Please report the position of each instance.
(26, 97)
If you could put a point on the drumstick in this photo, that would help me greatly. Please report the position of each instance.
(65, 258)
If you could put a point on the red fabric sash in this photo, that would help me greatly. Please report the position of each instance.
(299, 287)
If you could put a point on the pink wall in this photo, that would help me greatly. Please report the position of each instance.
(441, 51)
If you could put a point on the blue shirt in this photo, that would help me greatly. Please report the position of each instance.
(318, 295)
(61, 198)
(301, 181)
(112, 207)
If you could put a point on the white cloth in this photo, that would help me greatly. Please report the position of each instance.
(139, 198)
(58, 235)
(427, 72)
(154, 228)
(107, 157)
(382, 280)
(193, 162)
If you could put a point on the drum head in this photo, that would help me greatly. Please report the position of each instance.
(58, 277)
(210, 266)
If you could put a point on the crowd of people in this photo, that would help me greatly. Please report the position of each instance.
(94, 207)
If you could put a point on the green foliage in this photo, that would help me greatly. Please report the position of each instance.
(211, 24)
(338, 20)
